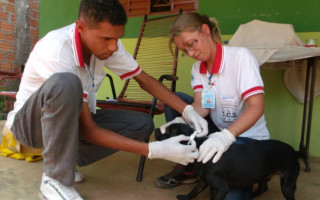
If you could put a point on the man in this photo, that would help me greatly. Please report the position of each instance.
(55, 107)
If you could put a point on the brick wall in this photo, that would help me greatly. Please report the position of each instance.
(34, 21)
(8, 39)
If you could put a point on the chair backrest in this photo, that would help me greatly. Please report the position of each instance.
(9, 82)
(9, 85)
(153, 56)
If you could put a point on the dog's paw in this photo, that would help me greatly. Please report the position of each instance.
(182, 197)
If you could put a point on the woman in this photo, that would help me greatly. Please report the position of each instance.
(228, 90)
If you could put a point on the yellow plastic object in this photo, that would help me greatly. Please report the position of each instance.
(10, 147)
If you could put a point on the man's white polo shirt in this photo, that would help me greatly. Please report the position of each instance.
(60, 51)
(235, 77)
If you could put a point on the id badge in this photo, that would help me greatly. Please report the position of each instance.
(208, 98)
(92, 102)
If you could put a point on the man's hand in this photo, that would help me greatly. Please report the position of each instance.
(217, 143)
(171, 149)
(176, 120)
(195, 121)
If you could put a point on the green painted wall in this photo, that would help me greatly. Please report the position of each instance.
(283, 113)
(304, 15)
(56, 14)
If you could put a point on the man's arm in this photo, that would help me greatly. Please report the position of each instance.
(170, 149)
(198, 105)
(107, 138)
(158, 90)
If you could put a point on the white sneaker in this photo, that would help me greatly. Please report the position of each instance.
(51, 189)
(78, 177)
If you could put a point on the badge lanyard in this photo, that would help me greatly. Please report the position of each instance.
(211, 82)
(208, 94)
(92, 97)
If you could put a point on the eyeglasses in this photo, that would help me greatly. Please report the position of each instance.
(190, 47)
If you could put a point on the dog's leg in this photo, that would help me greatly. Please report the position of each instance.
(218, 188)
(289, 180)
(213, 193)
(262, 187)
(288, 188)
(194, 192)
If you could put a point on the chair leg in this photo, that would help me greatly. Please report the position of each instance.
(141, 165)
(140, 171)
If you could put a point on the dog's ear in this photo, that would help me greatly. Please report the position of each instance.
(179, 128)
(157, 131)
(159, 136)
(186, 130)
(174, 129)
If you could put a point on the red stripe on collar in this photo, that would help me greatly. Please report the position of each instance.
(203, 68)
(78, 48)
(217, 62)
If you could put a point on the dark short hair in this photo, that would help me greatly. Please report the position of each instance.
(96, 11)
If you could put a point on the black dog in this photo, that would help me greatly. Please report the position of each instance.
(242, 165)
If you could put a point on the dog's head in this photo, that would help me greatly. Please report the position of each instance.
(173, 130)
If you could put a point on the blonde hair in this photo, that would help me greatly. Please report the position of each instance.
(192, 21)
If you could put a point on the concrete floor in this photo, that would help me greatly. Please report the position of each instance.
(113, 178)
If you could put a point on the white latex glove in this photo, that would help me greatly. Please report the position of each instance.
(217, 143)
(195, 120)
(171, 149)
(176, 120)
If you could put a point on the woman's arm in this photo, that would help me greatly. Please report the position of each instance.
(250, 116)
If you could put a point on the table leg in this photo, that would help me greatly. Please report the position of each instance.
(304, 148)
